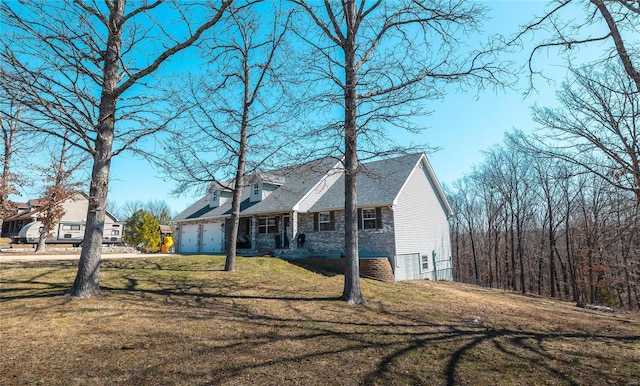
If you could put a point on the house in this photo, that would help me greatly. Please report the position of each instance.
(22, 215)
(298, 213)
(23, 226)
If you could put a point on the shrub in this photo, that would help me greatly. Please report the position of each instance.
(142, 231)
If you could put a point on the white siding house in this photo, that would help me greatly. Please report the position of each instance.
(298, 212)
(423, 247)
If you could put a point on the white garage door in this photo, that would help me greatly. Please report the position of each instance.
(189, 239)
(212, 237)
(407, 267)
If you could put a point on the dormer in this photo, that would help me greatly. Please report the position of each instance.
(256, 192)
(217, 195)
(263, 184)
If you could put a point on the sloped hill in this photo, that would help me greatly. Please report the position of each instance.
(182, 320)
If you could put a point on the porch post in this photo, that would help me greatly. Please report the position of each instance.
(293, 240)
(254, 232)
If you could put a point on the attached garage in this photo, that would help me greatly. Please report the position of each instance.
(189, 239)
(407, 267)
(212, 237)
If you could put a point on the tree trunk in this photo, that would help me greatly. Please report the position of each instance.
(592, 280)
(8, 133)
(563, 290)
(514, 284)
(520, 236)
(476, 270)
(230, 263)
(86, 283)
(232, 235)
(42, 246)
(552, 248)
(351, 293)
(489, 251)
(496, 253)
(457, 273)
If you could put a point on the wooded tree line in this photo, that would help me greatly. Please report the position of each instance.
(556, 212)
(527, 223)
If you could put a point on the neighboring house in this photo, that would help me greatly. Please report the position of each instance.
(298, 212)
(70, 228)
(21, 216)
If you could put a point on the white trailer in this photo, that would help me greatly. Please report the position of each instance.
(68, 232)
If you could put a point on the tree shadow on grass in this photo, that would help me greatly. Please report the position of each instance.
(317, 343)
(44, 283)
(401, 340)
(313, 268)
(401, 345)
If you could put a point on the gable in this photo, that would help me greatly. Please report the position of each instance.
(298, 183)
(423, 170)
(378, 184)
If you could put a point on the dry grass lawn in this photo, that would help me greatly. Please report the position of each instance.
(182, 320)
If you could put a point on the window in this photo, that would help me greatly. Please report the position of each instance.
(267, 225)
(115, 232)
(368, 219)
(324, 221)
(214, 195)
(71, 227)
(424, 263)
(256, 189)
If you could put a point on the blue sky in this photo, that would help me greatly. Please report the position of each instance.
(461, 125)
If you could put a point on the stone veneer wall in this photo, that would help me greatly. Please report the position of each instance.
(370, 241)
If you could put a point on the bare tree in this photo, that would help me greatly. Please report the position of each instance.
(510, 174)
(160, 210)
(569, 25)
(88, 68)
(16, 142)
(128, 208)
(468, 215)
(564, 231)
(595, 126)
(60, 186)
(238, 114)
(381, 61)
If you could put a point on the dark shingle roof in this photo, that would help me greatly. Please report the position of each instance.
(379, 182)
(297, 182)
